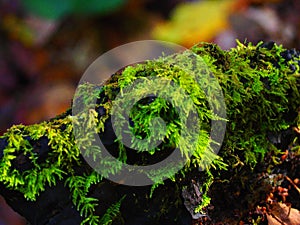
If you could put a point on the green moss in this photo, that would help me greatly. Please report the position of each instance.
(60, 159)
(259, 90)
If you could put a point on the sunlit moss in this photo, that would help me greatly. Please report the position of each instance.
(260, 89)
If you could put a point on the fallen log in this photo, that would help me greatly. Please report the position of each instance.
(46, 178)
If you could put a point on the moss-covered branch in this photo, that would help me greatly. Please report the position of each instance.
(261, 87)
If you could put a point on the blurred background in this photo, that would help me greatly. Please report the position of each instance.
(46, 45)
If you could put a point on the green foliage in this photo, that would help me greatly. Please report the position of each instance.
(111, 213)
(79, 187)
(32, 182)
(257, 94)
(54, 9)
(259, 89)
(205, 198)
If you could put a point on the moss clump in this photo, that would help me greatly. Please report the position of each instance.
(260, 85)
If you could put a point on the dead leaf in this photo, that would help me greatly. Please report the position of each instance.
(283, 215)
(195, 21)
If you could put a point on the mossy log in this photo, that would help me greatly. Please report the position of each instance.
(45, 178)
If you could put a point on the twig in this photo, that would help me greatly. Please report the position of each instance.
(295, 186)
